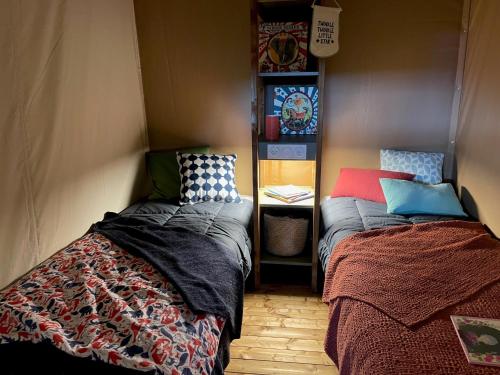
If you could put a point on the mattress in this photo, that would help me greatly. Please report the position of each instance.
(345, 216)
(224, 222)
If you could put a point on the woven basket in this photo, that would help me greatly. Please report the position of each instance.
(285, 236)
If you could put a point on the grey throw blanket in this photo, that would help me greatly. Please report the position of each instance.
(204, 271)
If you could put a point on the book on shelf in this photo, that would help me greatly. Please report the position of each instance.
(479, 338)
(288, 193)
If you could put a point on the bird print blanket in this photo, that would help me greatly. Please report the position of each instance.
(95, 300)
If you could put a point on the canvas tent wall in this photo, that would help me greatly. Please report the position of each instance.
(390, 85)
(72, 125)
(478, 134)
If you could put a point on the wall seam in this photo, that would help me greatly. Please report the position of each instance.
(450, 171)
(139, 76)
(26, 170)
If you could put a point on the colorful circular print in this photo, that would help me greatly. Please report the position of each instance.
(283, 48)
(297, 111)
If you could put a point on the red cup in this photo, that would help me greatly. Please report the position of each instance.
(272, 127)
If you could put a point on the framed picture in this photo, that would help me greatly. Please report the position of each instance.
(282, 46)
(297, 107)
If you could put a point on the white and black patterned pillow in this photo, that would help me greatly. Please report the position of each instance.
(207, 177)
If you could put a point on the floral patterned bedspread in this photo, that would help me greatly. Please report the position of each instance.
(94, 299)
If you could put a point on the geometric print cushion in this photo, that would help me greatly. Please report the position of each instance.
(426, 166)
(207, 177)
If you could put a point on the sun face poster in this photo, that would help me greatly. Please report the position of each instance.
(297, 107)
(282, 46)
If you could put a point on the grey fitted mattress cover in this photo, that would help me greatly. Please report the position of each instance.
(345, 216)
(224, 222)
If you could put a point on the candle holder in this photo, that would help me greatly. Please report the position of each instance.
(272, 128)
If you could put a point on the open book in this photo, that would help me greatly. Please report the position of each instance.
(480, 339)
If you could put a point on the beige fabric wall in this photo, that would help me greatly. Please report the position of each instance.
(195, 59)
(391, 84)
(478, 135)
(72, 128)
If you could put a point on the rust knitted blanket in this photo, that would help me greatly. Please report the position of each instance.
(412, 272)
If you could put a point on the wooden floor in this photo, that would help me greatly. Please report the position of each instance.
(283, 332)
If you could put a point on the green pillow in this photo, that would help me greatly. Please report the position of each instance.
(164, 171)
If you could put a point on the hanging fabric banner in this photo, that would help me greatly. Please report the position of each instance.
(325, 31)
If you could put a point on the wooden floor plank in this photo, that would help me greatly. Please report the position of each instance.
(287, 290)
(297, 333)
(277, 355)
(278, 368)
(302, 305)
(283, 333)
(279, 343)
(278, 321)
(279, 297)
(286, 313)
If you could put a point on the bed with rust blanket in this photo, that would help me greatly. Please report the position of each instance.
(391, 293)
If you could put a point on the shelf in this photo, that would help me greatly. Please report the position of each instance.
(284, 138)
(284, 2)
(288, 147)
(288, 74)
(294, 148)
(285, 10)
(303, 259)
(266, 201)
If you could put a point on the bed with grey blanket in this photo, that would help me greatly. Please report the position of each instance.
(345, 216)
(224, 222)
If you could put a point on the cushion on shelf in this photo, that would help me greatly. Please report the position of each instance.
(164, 171)
(414, 198)
(426, 166)
(364, 183)
(207, 177)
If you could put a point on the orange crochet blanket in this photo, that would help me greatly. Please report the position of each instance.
(412, 272)
(380, 279)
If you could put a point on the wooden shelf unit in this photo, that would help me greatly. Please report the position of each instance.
(283, 11)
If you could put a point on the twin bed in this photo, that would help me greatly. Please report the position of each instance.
(94, 307)
(391, 287)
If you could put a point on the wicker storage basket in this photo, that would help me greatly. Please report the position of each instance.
(285, 236)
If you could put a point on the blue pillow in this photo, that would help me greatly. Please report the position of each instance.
(426, 166)
(413, 198)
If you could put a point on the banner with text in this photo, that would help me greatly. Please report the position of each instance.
(324, 31)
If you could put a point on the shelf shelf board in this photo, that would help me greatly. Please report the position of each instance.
(303, 259)
(278, 150)
(288, 74)
(284, 138)
(266, 201)
(286, 2)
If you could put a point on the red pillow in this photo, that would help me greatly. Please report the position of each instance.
(364, 183)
